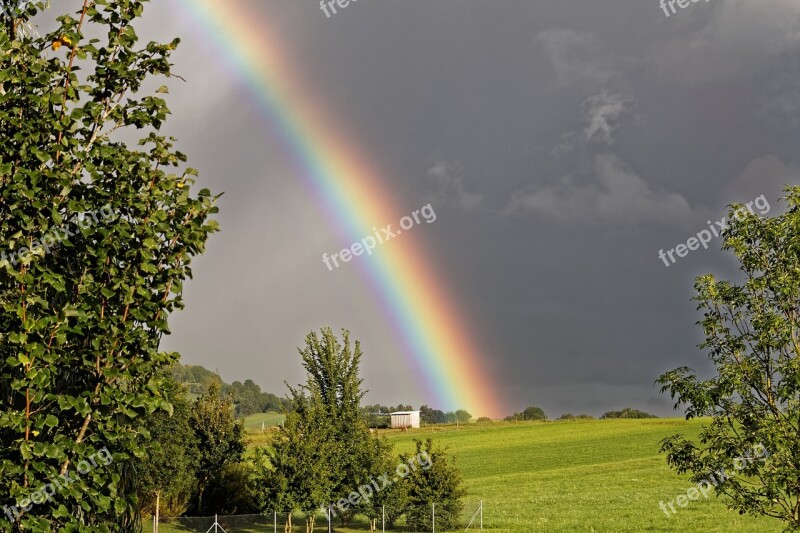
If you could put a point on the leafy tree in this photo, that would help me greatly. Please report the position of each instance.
(166, 475)
(295, 472)
(428, 415)
(233, 490)
(391, 500)
(530, 413)
(628, 413)
(533, 413)
(317, 454)
(96, 239)
(463, 416)
(220, 439)
(440, 484)
(334, 383)
(751, 335)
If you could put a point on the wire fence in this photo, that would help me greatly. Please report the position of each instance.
(425, 519)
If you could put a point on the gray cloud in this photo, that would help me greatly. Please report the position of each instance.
(736, 38)
(604, 111)
(576, 57)
(449, 187)
(615, 194)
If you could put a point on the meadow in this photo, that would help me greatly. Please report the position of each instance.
(569, 476)
(582, 475)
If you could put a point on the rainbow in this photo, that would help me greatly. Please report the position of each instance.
(425, 318)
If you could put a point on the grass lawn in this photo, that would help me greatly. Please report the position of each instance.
(570, 476)
(253, 422)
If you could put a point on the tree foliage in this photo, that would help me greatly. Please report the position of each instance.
(752, 336)
(169, 468)
(530, 413)
(85, 298)
(220, 440)
(440, 484)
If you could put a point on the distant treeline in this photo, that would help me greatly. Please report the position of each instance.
(247, 397)
(628, 413)
(537, 413)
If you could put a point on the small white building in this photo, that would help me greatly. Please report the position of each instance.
(405, 419)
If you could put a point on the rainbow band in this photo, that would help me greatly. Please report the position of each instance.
(425, 319)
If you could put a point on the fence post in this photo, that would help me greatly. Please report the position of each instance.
(383, 519)
(275, 521)
(481, 515)
(433, 516)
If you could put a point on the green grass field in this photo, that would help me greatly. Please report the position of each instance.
(594, 475)
(575, 476)
(253, 423)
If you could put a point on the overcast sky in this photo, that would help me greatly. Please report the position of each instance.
(562, 143)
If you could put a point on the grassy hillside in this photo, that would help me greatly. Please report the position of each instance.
(595, 475)
(253, 422)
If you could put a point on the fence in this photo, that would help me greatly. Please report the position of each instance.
(426, 519)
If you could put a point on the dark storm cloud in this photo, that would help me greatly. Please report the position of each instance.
(563, 144)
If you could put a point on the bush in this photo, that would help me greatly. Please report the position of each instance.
(485, 420)
(440, 483)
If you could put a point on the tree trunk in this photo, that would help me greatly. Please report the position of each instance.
(158, 504)
(373, 524)
(310, 524)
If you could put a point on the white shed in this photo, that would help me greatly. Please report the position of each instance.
(405, 419)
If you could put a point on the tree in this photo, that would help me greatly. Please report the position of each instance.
(295, 473)
(96, 240)
(530, 413)
(428, 415)
(317, 455)
(751, 335)
(334, 384)
(220, 442)
(440, 484)
(463, 416)
(388, 503)
(166, 475)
